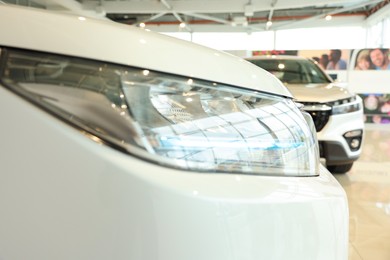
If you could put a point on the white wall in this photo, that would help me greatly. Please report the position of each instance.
(230, 41)
(321, 38)
(348, 37)
(378, 35)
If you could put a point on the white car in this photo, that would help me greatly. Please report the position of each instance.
(336, 111)
(119, 143)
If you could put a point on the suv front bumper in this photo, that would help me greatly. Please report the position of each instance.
(336, 153)
(334, 146)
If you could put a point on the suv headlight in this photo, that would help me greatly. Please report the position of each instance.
(347, 105)
(171, 120)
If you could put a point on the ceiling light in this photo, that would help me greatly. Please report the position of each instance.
(268, 24)
(328, 17)
(182, 25)
(142, 25)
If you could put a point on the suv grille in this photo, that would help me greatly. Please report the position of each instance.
(320, 116)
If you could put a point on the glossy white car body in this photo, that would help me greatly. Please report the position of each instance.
(64, 196)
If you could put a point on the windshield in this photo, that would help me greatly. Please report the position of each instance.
(293, 71)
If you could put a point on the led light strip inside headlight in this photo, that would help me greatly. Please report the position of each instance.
(171, 120)
(348, 106)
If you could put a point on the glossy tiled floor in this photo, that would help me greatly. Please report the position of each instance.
(368, 189)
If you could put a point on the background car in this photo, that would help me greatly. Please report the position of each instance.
(114, 149)
(336, 111)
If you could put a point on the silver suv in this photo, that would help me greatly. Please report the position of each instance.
(337, 113)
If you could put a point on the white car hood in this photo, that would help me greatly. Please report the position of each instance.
(321, 93)
(128, 45)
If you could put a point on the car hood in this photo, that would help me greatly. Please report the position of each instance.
(321, 93)
(123, 44)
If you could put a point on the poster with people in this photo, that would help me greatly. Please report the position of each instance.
(376, 108)
(372, 59)
(371, 67)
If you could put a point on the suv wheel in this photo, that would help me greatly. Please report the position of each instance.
(342, 168)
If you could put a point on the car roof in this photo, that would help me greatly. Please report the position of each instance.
(72, 35)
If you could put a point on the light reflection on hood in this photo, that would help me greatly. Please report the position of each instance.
(321, 93)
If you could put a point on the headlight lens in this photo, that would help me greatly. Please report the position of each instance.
(347, 105)
(171, 120)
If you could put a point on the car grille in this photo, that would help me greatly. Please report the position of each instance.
(320, 117)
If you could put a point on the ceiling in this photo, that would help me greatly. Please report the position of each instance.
(223, 15)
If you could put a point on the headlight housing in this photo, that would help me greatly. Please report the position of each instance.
(348, 105)
(171, 120)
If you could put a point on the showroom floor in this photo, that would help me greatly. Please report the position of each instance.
(368, 189)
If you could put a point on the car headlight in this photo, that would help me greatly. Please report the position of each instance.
(171, 120)
(349, 105)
